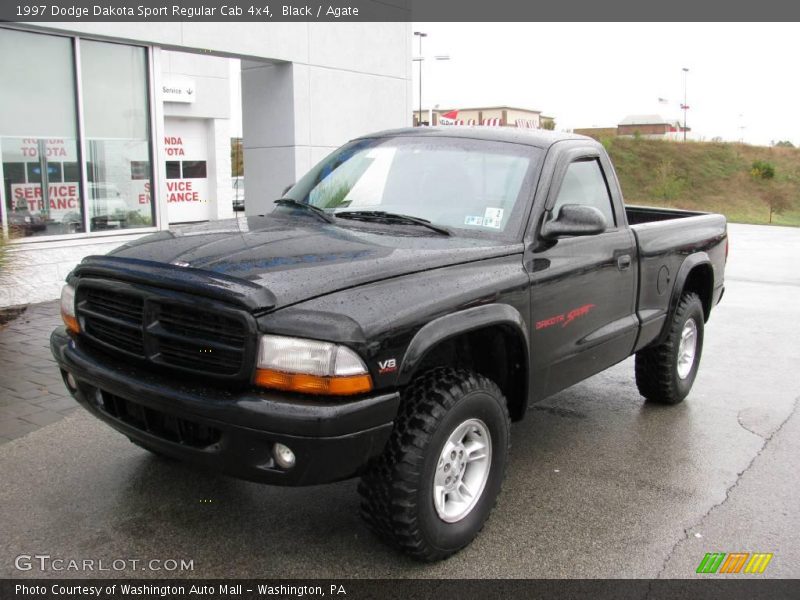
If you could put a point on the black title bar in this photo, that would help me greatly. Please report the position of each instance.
(397, 10)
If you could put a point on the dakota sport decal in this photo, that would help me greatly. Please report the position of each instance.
(565, 318)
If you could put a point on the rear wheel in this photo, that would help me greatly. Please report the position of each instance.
(665, 373)
(431, 491)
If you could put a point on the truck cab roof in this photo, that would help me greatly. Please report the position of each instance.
(539, 138)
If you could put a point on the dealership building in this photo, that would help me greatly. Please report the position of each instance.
(111, 131)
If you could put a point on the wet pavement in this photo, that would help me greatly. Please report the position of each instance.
(32, 394)
(599, 485)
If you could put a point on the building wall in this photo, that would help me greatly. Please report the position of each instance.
(307, 88)
(35, 272)
(509, 115)
(657, 129)
(530, 115)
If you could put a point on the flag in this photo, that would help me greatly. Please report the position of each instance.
(448, 118)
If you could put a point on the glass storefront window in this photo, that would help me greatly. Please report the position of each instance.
(38, 135)
(115, 110)
(43, 189)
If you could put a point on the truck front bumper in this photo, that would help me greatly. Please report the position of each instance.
(232, 431)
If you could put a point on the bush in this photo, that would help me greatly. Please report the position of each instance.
(762, 169)
(3, 254)
(668, 185)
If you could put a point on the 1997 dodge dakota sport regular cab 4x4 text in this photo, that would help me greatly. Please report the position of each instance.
(400, 306)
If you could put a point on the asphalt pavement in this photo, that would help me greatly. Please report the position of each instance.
(600, 484)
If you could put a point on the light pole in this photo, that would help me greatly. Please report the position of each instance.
(420, 35)
(684, 106)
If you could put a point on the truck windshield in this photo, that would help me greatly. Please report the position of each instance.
(473, 187)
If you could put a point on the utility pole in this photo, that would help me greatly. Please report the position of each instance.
(420, 35)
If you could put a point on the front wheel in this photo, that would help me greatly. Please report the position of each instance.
(665, 373)
(431, 491)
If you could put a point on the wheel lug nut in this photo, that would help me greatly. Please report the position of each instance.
(447, 467)
(453, 455)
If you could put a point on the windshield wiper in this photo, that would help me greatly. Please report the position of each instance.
(388, 217)
(302, 205)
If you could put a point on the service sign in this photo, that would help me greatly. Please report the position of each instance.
(186, 148)
(178, 89)
(63, 195)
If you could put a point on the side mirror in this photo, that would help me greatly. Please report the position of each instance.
(575, 219)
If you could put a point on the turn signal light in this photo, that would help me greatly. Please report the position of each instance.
(314, 384)
(68, 309)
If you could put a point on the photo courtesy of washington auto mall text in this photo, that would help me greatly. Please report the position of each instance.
(399, 299)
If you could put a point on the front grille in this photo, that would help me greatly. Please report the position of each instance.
(213, 326)
(208, 338)
(162, 425)
(113, 304)
(189, 355)
(114, 318)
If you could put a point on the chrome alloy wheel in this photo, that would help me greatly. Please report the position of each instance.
(462, 470)
(687, 348)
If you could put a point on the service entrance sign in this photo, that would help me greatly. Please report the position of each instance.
(186, 147)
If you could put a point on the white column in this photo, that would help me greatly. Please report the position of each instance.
(269, 95)
(219, 172)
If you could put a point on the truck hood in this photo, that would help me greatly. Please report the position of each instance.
(299, 258)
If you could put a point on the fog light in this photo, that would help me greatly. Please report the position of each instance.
(71, 383)
(99, 401)
(283, 456)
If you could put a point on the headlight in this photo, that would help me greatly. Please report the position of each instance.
(310, 367)
(68, 308)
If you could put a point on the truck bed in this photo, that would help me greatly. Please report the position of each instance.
(648, 214)
(665, 238)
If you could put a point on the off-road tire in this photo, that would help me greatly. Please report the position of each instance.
(397, 488)
(657, 366)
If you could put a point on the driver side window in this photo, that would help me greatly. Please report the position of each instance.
(585, 184)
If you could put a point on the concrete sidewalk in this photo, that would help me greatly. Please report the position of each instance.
(32, 394)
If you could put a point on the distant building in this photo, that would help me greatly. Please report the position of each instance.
(650, 126)
(647, 126)
(496, 116)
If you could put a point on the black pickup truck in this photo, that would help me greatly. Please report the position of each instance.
(401, 304)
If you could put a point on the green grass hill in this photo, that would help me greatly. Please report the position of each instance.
(708, 176)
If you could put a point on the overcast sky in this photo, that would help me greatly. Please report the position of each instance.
(743, 79)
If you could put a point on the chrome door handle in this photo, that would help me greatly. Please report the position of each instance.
(623, 262)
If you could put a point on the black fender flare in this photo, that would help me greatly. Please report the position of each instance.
(693, 260)
(453, 324)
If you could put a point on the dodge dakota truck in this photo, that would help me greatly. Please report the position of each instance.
(390, 316)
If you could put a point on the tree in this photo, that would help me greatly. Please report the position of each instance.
(773, 194)
(549, 124)
(784, 144)
(777, 200)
